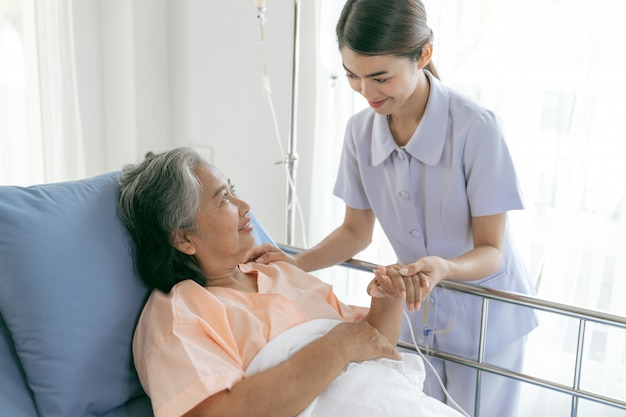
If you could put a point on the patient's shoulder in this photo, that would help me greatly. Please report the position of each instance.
(185, 301)
(186, 304)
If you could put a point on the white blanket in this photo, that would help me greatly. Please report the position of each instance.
(381, 387)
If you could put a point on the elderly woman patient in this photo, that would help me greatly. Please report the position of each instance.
(221, 338)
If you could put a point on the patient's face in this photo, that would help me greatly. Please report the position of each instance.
(224, 232)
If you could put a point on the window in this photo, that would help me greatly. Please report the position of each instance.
(18, 150)
(554, 72)
(40, 127)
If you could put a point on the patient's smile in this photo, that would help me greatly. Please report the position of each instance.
(247, 227)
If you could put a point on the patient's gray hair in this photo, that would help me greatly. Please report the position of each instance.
(159, 196)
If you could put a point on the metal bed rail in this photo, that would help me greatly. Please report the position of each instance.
(583, 316)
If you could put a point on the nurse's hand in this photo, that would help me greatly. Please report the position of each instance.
(266, 253)
(426, 272)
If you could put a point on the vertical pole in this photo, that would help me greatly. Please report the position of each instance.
(292, 156)
(481, 354)
(578, 366)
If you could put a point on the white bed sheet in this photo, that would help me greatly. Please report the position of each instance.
(381, 387)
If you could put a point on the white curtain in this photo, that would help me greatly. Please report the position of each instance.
(17, 155)
(57, 120)
(41, 136)
(555, 73)
(64, 154)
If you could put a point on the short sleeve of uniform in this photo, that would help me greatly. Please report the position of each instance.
(204, 357)
(348, 185)
(492, 183)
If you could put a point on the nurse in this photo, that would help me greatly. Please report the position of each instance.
(432, 165)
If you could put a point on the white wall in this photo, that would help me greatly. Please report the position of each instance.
(217, 97)
(180, 72)
(89, 76)
(135, 80)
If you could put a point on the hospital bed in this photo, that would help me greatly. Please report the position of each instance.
(69, 299)
(616, 405)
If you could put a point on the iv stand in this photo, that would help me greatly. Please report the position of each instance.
(291, 159)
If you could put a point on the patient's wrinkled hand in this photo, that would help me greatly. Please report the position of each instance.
(383, 285)
(266, 253)
(359, 341)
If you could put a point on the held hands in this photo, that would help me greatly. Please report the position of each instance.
(390, 282)
(383, 285)
(412, 281)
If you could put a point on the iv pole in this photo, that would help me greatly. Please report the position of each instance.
(291, 159)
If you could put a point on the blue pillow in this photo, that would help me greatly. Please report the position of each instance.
(69, 295)
(16, 400)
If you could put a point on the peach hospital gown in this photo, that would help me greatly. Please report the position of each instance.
(194, 342)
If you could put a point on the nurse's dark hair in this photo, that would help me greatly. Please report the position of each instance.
(159, 196)
(385, 27)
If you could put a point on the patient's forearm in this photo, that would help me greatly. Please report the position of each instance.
(287, 389)
(284, 390)
(386, 316)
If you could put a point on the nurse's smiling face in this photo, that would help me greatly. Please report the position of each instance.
(386, 81)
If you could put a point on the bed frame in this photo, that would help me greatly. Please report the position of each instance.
(65, 262)
(582, 315)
